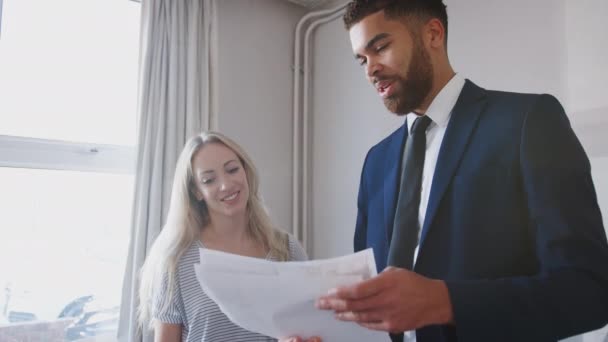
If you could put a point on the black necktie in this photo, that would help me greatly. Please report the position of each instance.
(405, 227)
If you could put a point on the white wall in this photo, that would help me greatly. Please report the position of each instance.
(348, 118)
(513, 45)
(587, 85)
(587, 69)
(587, 72)
(254, 78)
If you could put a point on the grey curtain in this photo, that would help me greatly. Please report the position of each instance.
(174, 103)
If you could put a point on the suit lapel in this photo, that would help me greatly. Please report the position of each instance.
(392, 166)
(462, 123)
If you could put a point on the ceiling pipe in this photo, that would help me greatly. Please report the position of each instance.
(300, 188)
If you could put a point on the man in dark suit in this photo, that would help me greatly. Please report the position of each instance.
(506, 240)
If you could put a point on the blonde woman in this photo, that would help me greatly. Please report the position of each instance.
(214, 204)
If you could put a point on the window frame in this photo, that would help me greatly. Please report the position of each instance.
(35, 153)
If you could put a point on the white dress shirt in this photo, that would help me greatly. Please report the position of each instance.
(439, 112)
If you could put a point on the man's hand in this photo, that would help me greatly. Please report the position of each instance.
(396, 300)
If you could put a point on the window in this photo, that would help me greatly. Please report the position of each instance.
(68, 97)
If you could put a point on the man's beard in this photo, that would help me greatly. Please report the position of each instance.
(416, 86)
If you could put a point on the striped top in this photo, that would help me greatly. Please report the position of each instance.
(201, 319)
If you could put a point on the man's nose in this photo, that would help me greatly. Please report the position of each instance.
(372, 68)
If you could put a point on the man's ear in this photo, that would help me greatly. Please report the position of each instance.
(435, 33)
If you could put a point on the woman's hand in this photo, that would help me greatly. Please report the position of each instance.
(299, 339)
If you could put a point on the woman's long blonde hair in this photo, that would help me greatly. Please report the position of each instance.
(187, 216)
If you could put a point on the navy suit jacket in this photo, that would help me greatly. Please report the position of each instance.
(512, 224)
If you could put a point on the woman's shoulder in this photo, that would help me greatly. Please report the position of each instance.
(190, 256)
(296, 251)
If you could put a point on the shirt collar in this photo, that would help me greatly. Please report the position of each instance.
(441, 107)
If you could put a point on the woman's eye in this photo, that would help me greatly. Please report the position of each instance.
(208, 181)
(233, 170)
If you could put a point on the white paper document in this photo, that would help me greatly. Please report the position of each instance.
(277, 298)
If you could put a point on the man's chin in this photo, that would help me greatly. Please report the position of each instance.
(394, 107)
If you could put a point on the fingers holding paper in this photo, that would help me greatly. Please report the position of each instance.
(299, 339)
(396, 300)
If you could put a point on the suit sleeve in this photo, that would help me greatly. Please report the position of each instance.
(569, 295)
(360, 238)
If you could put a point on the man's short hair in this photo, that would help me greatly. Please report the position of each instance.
(423, 10)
